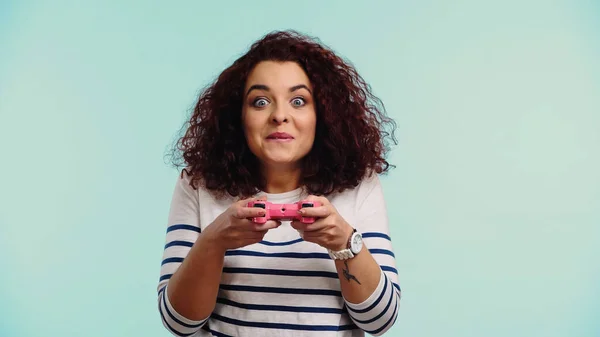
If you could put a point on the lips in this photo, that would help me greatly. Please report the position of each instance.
(280, 135)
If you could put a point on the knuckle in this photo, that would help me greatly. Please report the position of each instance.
(238, 212)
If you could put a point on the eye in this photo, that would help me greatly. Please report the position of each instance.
(298, 101)
(260, 102)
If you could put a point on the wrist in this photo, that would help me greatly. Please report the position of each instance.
(211, 243)
(353, 246)
(348, 231)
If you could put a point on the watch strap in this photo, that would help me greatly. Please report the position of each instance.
(343, 254)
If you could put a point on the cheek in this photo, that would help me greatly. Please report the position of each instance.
(309, 127)
(253, 133)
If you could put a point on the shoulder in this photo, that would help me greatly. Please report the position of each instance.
(195, 186)
(368, 184)
(184, 183)
(369, 181)
(364, 206)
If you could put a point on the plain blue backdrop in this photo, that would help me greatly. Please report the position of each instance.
(494, 204)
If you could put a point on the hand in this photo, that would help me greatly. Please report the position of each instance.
(234, 229)
(329, 230)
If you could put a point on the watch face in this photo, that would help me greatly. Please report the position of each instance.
(356, 243)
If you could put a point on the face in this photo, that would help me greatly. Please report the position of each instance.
(278, 114)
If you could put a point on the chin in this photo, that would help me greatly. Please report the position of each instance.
(279, 156)
(281, 161)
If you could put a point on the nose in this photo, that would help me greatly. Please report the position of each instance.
(279, 115)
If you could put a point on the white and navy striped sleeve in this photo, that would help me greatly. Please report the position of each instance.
(173, 321)
(182, 231)
(378, 313)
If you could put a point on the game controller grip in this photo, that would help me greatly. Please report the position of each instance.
(260, 219)
(306, 204)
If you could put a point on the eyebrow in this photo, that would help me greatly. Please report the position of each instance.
(266, 88)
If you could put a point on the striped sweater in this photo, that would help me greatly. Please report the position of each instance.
(282, 286)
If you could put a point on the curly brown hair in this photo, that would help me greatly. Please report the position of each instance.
(350, 136)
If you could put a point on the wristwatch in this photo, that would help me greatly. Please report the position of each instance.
(355, 244)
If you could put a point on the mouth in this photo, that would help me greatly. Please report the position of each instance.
(280, 136)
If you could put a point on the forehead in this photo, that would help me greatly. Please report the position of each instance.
(277, 75)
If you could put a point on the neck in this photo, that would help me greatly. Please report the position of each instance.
(280, 180)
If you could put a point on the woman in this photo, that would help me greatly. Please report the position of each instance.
(288, 122)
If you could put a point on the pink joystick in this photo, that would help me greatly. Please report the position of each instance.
(283, 212)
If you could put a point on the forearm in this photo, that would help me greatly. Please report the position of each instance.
(371, 298)
(358, 276)
(193, 288)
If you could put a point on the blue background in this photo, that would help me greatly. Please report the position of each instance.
(494, 204)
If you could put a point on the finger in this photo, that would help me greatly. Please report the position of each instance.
(315, 226)
(244, 202)
(317, 212)
(298, 225)
(313, 237)
(242, 210)
(320, 199)
(271, 224)
(248, 212)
